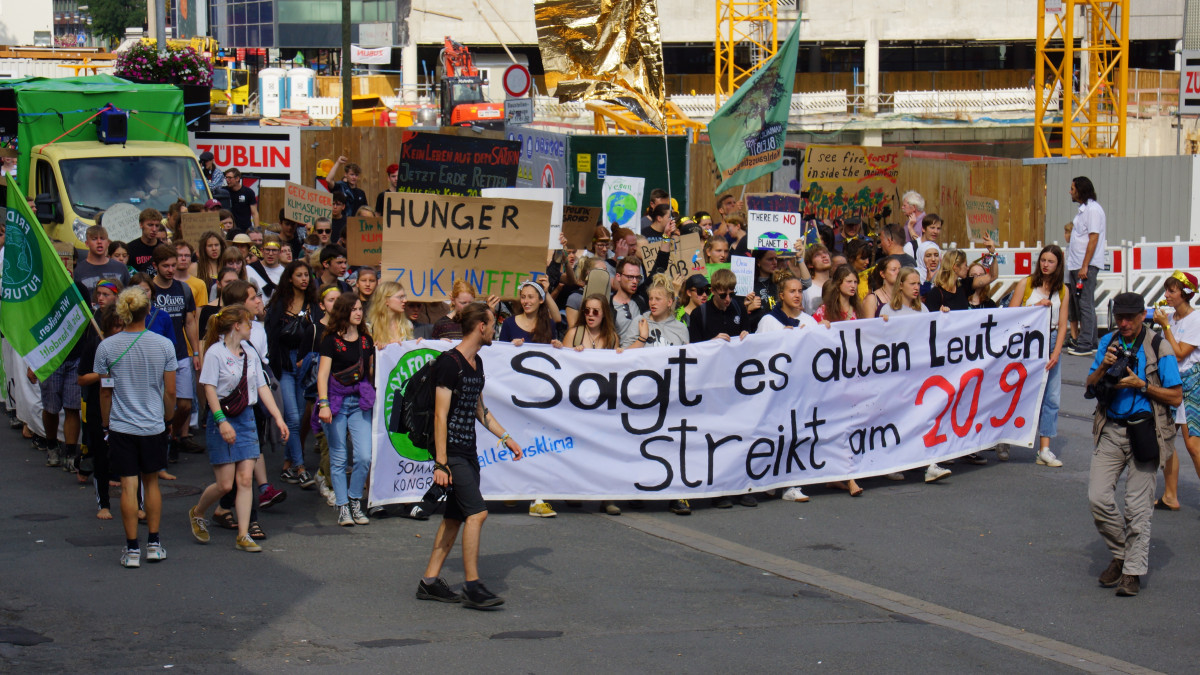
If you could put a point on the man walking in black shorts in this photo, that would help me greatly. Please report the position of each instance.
(458, 375)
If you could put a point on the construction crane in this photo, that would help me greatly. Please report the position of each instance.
(753, 23)
(1088, 116)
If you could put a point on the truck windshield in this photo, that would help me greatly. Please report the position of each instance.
(469, 91)
(94, 184)
(220, 80)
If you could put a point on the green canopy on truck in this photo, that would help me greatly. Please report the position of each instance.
(50, 108)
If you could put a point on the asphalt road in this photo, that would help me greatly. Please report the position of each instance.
(991, 570)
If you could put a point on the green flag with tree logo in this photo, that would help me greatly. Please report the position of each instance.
(748, 132)
(42, 313)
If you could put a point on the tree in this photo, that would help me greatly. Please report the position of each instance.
(110, 18)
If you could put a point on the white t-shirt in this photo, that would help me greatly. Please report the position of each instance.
(1037, 295)
(812, 299)
(769, 323)
(223, 370)
(904, 310)
(1089, 220)
(1187, 330)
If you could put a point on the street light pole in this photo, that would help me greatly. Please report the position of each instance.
(347, 99)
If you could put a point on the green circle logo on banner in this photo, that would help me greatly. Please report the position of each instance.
(397, 382)
(26, 265)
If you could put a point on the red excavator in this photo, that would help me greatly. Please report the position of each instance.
(462, 91)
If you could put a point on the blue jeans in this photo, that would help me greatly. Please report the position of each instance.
(291, 385)
(358, 422)
(1048, 419)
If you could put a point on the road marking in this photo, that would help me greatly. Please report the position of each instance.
(998, 633)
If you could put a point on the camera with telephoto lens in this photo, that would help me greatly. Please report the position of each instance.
(1107, 386)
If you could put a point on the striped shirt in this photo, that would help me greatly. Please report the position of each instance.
(138, 380)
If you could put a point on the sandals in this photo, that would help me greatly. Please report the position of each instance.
(225, 520)
(256, 532)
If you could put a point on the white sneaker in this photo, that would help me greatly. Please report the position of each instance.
(330, 498)
(935, 472)
(794, 494)
(895, 475)
(131, 558)
(155, 552)
(1047, 458)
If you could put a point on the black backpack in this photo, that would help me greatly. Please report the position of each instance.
(414, 413)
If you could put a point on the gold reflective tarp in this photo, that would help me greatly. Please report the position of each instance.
(603, 50)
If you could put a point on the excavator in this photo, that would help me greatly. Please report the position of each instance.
(462, 99)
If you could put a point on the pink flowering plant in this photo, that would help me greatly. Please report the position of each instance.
(180, 65)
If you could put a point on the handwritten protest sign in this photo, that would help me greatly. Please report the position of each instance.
(456, 165)
(684, 250)
(430, 241)
(192, 225)
(982, 218)
(773, 221)
(849, 180)
(305, 205)
(579, 224)
(743, 269)
(364, 241)
(790, 407)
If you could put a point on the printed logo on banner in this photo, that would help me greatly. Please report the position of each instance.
(777, 241)
(397, 382)
(23, 277)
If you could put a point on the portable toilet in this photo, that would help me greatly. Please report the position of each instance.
(301, 84)
(270, 92)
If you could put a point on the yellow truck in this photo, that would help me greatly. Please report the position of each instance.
(72, 182)
(230, 92)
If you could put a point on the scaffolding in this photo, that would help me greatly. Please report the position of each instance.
(753, 23)
(1084, 118)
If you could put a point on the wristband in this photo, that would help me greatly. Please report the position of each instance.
(219, 416)
(443, 467)
(505, 437)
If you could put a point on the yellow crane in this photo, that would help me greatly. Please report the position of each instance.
(752, 23)
(1088, 116)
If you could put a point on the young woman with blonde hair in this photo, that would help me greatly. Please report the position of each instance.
(386, 318)
(232, 379)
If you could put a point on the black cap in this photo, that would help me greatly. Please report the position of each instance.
(1128, 303)
(695, 282)
(206, 156)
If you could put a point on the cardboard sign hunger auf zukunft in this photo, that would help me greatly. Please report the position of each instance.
(430, 241)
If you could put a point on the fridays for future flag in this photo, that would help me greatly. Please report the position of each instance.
(747, 133)
(43, 314)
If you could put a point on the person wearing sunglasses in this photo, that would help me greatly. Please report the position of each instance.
(695, 292)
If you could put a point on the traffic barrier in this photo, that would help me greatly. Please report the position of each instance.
(1152, 262)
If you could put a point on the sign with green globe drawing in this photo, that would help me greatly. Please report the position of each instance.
(622, 200)
(397, 381)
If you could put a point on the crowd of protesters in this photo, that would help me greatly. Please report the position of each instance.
(259, 335)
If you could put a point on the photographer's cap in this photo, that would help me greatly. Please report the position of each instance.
(1128, 303)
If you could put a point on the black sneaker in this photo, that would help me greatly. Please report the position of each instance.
(416, 513)
(438, 591)
(680, 507)
(974, 458)
(748, 500)
(723, 503)
(480, 598)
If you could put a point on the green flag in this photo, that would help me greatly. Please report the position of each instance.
(747, 133)
(42, 313)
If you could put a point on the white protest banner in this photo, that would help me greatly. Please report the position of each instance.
(792, 407)
(552, 195)
(742, 267)
(621, 199)
(372, 55)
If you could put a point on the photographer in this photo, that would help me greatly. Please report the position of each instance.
(1134, 378)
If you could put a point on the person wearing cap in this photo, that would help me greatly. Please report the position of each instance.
(393, 174)
(212, 204)
(216, 178)
(851, 229)
(242, 241)
(1128, 401)
(1085, 259)
(1182, 330)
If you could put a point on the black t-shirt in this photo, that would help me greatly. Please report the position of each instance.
(345, 354)
(938, 297)
(178, 303)
(707, 321)
(454, 373)
(240, 201)
(141, 256)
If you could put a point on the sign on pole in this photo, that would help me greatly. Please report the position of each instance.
(516, 81)
(518, 111)
(1189, 83)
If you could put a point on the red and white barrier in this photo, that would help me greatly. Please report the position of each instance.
(1153, 262)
